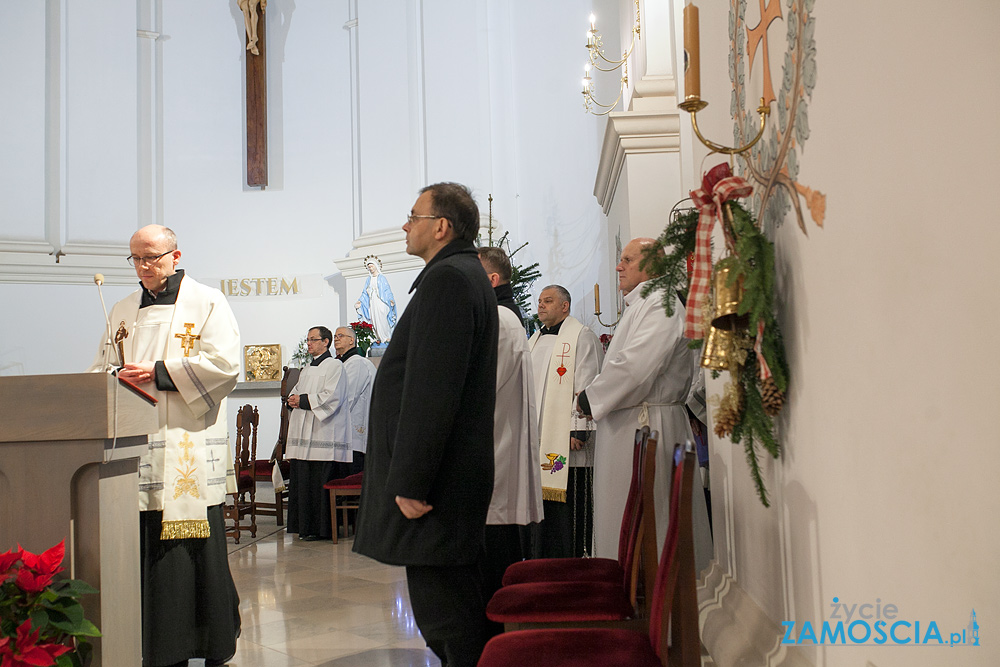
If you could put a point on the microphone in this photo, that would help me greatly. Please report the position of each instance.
(99, 280)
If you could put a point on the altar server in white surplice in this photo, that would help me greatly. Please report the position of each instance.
(646, 377)
(319, 436)
(517, 487)
(360, 377)
(565, 357)
(180, 343)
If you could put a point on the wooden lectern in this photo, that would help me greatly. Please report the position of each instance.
(65, 475)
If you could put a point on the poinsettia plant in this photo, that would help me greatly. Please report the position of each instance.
(41, 618)
(364, 336)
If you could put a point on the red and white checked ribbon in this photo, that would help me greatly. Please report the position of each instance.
(765, 370)
(717, 187)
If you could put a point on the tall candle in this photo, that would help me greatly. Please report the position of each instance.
(597, 298)
(692, 48)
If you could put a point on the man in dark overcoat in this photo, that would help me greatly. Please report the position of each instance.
(429, 466)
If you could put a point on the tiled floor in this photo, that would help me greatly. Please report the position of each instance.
(318, 603)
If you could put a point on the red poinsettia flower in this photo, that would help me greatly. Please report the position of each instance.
(29, 582)
(25, 651)
(49, 562)
(8, 559)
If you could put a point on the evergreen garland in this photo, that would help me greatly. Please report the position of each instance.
(753, 263)
(667, 258)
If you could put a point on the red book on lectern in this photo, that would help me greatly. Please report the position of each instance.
(138, 391)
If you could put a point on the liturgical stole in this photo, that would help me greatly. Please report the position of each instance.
(557, 410)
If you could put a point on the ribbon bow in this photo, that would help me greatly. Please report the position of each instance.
(717, 187)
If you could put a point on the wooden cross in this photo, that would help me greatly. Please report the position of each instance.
(187, 339)
(256, 68)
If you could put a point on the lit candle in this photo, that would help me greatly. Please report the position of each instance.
(692, 48)
(597, 299)
(592, 19)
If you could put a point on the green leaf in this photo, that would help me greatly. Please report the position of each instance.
(76, 588)
(802, 123)
(87, 629)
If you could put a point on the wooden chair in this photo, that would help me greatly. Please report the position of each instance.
(593, 569)
(674, 606)
(586, 601)
(243, 503)
(345, 494)
(262, 467)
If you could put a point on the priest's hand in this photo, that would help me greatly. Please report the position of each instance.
(576, 443)
(293, 401)
(138, 373)
(412, 509)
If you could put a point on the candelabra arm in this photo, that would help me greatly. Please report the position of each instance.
(693, 105)
(597, 314)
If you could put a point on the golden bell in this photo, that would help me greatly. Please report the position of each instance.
(727, 302)
(719, 346)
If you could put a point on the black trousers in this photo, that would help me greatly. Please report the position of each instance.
(503, 548)
(450, 611)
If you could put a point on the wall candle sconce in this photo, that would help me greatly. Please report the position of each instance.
(692, 86)
(597, 308)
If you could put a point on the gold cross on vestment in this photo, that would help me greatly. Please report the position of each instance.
(187, 339)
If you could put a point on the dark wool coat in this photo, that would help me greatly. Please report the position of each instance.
(430, 434)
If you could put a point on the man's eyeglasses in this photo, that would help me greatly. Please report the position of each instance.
(136, 261)
(314, 340)
(341, 336)
(411, 217)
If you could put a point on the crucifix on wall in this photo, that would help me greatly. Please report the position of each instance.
(256, 88)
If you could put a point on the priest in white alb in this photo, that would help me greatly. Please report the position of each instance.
(645, 380)
(566, 356)
(360, 377)
(179, 341)
(517, 487)
(319, 438)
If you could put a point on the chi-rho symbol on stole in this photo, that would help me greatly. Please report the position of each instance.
(187, 338)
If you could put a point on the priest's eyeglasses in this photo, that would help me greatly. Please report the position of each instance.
(136, 261)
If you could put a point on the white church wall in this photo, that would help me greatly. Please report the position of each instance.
(391, 110)
(885, 489)
(555, 147)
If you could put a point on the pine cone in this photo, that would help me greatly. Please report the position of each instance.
(774, 398)
(725, 420)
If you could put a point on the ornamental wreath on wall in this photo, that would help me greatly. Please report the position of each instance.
(731, 304)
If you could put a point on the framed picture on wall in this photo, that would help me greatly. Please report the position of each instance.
(262, 363)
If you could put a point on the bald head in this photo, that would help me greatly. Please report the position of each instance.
(630, 273)
(156, 234)
(343, 339)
